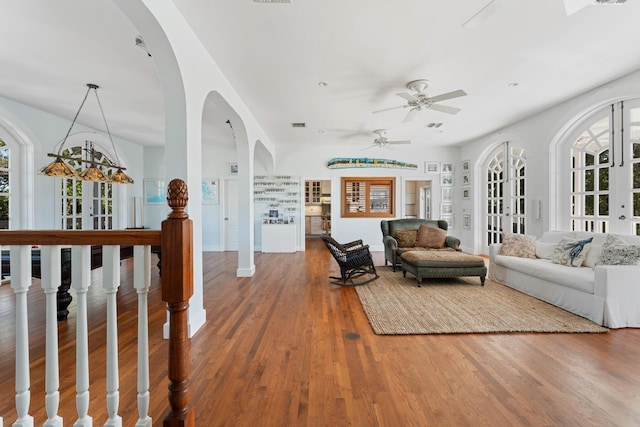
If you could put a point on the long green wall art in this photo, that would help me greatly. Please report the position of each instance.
(365, 162)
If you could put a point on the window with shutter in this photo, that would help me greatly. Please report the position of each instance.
(368, 197)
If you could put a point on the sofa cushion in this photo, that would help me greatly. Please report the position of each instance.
(581, 279)
(518, 245)
(405, 238)
(616, 251)
(431, 237)
(571, 252)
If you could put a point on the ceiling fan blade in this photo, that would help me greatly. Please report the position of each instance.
(404, 141)
(389, 109)
(410, 115)
(445, 109)
(449, 95)
(407, 96)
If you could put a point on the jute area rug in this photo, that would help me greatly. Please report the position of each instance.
(396, 306)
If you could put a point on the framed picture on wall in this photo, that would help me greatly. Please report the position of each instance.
(446, 179)
(447, 167)
(450, 221)
(447, 194)
(466, 179)
(431, 167)
(466, 192)
(233, 168)
(446, 209)
(465, 166)
(155, 192)
(210, 188)
(466, 221)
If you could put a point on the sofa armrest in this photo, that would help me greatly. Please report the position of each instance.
(452, 242)
(615, 281)
(390, 242)
(494, 249)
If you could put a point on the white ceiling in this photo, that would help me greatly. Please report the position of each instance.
(366, 50)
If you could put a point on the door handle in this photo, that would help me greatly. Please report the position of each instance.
(226, 219)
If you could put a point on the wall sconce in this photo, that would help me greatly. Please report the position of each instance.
(100, 168)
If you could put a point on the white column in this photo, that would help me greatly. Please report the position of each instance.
(141, 282)
(80, 282)
(111, 283)
(20, 282)
(50, 267)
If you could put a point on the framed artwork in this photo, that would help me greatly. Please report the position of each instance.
(465, 166)
(466, 179)
(466, 221)
(432, 167)
(450, 221)
(210, 191)
(446, 179)
(233, 169)
(447, 194)
(447, 167)
(466, 193)
(446, 209)
(155, 191)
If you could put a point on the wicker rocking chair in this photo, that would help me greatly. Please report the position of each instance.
(354, 260)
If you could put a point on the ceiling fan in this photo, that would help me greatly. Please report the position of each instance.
(420, 100)
(382, 140)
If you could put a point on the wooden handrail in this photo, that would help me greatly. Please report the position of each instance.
(176, 242)
(80, 237)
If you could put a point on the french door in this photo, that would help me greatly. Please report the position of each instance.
(505, 192)
(86, 205)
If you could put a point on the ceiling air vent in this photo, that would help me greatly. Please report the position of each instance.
(298, 125)
(434, 125)
(272, 1)
(609, 1)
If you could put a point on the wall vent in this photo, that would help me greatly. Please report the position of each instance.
(298, 125)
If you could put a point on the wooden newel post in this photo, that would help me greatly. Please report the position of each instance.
(177, 288)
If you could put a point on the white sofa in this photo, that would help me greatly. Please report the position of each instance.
(609, 295)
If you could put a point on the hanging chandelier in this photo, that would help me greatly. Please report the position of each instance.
(100, 167)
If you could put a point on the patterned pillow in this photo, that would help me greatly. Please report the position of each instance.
(405, 238)
(571, 252)
(616, 251)
(518, 245)
(431, 237)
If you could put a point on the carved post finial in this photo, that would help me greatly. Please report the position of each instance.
(177, 198)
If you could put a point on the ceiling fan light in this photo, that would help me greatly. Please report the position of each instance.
(58, 168)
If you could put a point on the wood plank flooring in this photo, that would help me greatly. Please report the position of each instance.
(287, 348)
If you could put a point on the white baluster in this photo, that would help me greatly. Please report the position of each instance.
(111, 283)
(80, 282)
(20, 282)
(50, 267)
(142, 281)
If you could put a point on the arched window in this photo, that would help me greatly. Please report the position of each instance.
(5, 178)
(605, 171)
(505, 192)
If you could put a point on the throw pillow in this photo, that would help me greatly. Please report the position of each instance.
(431, 237)
(616, 251)
(544, 250)
(571, 252)
(518, 245)
(405, 238)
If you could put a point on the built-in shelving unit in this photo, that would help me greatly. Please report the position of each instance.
(276, 198)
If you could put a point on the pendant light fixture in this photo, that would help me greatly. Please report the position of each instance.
(100, 167)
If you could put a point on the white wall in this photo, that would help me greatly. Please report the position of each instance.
(538, 134)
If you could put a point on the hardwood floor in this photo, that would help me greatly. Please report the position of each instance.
(286, 348)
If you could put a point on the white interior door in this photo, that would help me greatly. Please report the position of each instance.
(231, 221)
